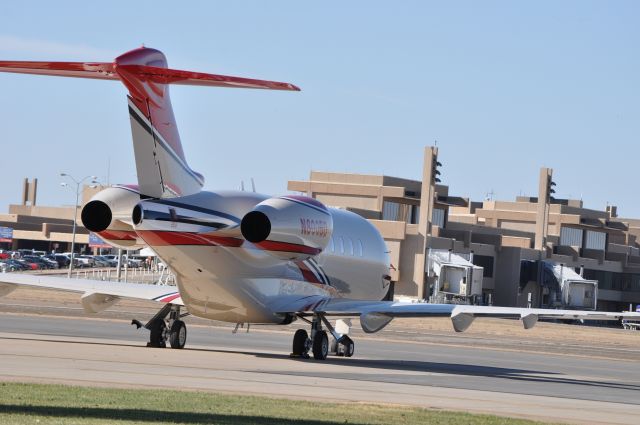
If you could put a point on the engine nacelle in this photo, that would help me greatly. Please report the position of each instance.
(108, 214)
(289, 227)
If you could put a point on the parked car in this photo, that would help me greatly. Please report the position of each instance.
(99, 262)
(24, 252)
(4, 255)
(19, 265)
(28, 264)
(110, 262)
(43, 263)
(78, 262)
(7, 267)
(126, 261)
(62, 260)
(132, 262)
(85, 261)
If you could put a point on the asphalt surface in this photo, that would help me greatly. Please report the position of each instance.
(417, 367)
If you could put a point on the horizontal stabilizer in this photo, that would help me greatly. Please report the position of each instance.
(109, 71)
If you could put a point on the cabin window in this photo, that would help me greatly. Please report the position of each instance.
(349, 246)
(341, 241)
(359, 249)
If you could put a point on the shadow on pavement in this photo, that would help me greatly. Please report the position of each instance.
(466, 370)
(152, 416)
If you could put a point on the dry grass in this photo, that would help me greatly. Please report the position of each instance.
(36, 403)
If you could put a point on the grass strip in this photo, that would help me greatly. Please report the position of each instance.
(61, 404)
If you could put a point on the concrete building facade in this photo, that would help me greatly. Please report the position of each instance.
(509, 239)
(45, 228)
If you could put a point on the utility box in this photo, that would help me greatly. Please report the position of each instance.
(453, 278)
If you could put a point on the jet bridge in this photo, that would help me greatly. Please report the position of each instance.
(575, 291)
(560, 286)
(453, 278)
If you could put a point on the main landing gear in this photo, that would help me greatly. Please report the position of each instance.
(165, 326)
(318, 342)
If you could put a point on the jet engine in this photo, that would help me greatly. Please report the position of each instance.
(108, 214)
(289, 227)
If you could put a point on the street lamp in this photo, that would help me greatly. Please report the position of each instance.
(78, 184)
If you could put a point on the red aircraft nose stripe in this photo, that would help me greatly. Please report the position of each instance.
(288, 247)
(165, 238)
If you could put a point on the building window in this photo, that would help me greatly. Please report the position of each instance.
(570, 236)
(596, 240)
(414, 214)
(614, 281)
(438, 217)
(390, 211)
(486, 262)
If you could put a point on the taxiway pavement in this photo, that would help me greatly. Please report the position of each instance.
(567, 388)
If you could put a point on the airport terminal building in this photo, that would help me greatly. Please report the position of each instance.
(44, 228)
(531, 251)
(527, 248)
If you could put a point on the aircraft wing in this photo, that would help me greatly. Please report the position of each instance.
(97, 295)
(375, 315)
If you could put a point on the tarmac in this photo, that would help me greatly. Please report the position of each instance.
(396, 369)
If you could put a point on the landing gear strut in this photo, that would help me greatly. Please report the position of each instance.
(165, 326)
(318, 342)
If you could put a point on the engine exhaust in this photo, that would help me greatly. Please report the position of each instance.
(255, 227)
(96, 216)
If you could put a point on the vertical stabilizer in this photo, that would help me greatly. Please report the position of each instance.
(161, 165)
(162, 168)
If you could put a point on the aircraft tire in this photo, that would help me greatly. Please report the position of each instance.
(335, 347)
(156, 334)
(300, 343)
(178, 334)
(320, 345)
(349, 347)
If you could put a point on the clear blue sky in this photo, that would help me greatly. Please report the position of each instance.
(504, 87)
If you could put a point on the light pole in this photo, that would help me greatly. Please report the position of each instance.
(78, 184)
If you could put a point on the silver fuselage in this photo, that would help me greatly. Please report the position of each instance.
(224, 277)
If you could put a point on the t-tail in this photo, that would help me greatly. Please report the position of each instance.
(163, 171)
